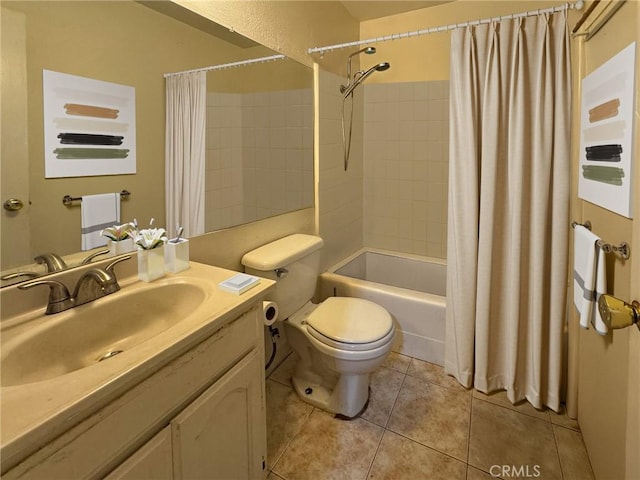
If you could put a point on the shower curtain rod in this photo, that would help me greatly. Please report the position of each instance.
(443, 28)
(229, 65)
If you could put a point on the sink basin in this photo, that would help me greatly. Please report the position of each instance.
(52, 345)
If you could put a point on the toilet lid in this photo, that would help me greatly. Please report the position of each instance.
(350, 320)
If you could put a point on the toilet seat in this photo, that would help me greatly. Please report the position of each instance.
(352, 324)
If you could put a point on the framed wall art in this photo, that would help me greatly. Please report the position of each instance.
(606, 144)
(89, 126)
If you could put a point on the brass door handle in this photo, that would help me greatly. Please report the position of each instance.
(13, 204)
(617, 313)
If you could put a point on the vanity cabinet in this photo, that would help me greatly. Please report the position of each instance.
(218, 436)
(151, 462)
(201, 416)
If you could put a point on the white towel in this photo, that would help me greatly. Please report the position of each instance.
(589, 278)
(600, 289)
(98, 213)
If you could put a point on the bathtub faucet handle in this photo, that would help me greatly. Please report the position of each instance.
(281, 272)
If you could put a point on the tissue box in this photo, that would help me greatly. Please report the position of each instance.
(176, 255)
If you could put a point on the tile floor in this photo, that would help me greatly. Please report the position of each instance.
(420, 424)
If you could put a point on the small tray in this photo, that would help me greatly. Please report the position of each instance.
(239, 283)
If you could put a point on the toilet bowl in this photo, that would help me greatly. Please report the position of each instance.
(338, 342)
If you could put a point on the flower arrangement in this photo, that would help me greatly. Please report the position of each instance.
(117, 233)
(150, 238)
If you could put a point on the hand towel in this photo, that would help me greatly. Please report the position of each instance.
(599, 290)
(589, 278)
(98, 213)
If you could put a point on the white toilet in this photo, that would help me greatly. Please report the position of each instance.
(339, 342)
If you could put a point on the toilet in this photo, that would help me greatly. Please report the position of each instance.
(338, 342)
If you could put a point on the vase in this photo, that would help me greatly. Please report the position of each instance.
(151, 263)
(121, 246)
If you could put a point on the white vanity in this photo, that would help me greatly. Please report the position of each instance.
(184, 399)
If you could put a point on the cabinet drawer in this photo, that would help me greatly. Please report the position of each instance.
(104, 440)
(151, 462)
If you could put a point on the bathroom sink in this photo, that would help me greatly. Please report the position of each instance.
(49, 346)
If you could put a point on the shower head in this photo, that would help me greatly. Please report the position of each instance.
(359, 77)
(368, 51)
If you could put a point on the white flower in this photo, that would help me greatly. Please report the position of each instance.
(118, 232)
(149, 238)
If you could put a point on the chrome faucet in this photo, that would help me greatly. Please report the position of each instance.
(53, 261)
(93, 284)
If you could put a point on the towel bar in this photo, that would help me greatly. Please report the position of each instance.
(623, 251)
(68, 199)
(586, 224)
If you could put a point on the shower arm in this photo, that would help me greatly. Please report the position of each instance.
(368, 51)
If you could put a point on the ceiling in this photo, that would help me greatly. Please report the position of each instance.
(363, 10)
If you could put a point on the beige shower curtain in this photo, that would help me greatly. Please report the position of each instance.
(508, 207)
(186, 110)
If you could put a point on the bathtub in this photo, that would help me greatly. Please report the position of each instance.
(410, 287)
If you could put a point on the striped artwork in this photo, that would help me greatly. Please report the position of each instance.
(607, 129)
(89, 126)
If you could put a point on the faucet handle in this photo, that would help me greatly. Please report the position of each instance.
(59, 297)
(88, 259)
(122, 258)
(14, 275)
(109, 268)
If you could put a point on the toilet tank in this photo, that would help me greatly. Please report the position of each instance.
(297, 258)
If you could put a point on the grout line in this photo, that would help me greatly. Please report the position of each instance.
(515, 410)
(428, 446)
(555, 442)
(286, 447)
(375, 453)
(395, 401)
(469, 432)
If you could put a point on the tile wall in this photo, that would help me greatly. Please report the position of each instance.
(340, 195)
(406, 151)
(259, 160)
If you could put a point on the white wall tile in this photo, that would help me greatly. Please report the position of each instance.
(406, 166)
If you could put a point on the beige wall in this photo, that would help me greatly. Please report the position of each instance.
(276, 24)
(119, 42)
(609, 378)
(288, 27)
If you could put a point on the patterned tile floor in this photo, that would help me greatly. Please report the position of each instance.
(420, 424)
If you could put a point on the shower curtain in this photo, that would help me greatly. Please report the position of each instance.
(186, 96)
(508, 207)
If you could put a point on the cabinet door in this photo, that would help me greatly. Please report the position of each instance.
(222, 434)
(151, 462)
